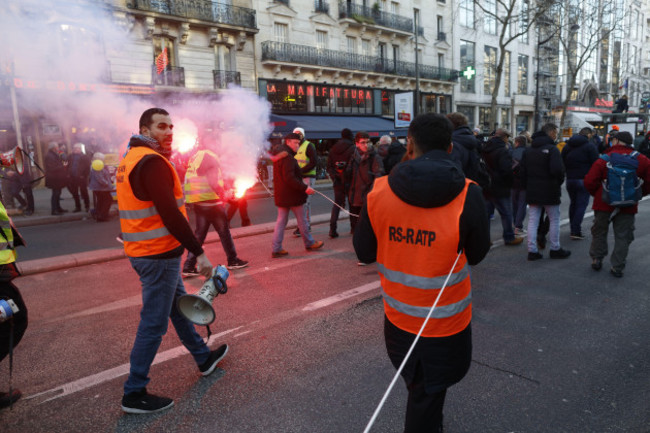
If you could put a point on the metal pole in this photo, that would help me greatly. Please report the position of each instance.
(536, 115)
(416, 107)
(14, 106)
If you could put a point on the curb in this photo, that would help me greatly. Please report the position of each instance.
(33, 267)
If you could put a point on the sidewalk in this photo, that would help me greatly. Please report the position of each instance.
(42, 216)
(42, 212)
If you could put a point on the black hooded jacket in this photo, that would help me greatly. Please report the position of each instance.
(499, 161)
(339, 153)
(464, 142)
(578, 156)
(542, 171)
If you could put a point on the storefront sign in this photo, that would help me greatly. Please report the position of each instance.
(318, 98)
(403, 109)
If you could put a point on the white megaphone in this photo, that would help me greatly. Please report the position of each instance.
(8, 308)
(197, 308)
(13, 158)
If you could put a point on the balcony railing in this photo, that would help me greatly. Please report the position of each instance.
(442, 36)
(223, 78)
(302, 54)
(370, 15)
(204, 10)
(321, 6)
(171, 76)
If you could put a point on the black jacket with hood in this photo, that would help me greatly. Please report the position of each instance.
(498, 158)
(339, 153)
(542, 171)
(432, 180)
(578, 156)
(289, 189)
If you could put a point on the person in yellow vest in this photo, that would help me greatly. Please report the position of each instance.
(307, 159)
(420, 224)
(13, 327)
(204, 189)
(155, 232)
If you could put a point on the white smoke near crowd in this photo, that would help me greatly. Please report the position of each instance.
(61, 53)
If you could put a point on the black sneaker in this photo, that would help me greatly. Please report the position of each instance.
(237, 264)
(559, 254)
(215, 356)
(534, 256)
(7, 399)
(190, 272)
(596, 264)
(334, 235)
(617, 274)
(296, 233)
(577, 236)
(142, 402)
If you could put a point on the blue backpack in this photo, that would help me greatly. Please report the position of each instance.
(622, 188)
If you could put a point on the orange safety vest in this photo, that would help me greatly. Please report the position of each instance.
(416, 248)
(142, 227)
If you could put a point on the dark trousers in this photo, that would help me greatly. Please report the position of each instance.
(79, 186)
(29, 197)
(356, 210)
(103, 201)
(579, 197)
(339, 199)
(55, 200)
(623, 225)
(214, 215)
(242, 206)
(19, 325)
(423, 410)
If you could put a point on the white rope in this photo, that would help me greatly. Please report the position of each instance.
(401, 367)
(335, 204)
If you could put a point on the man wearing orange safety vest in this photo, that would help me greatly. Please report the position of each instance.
(155, 232)
(420, 224)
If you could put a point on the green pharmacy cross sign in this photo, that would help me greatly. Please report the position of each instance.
(469, 72)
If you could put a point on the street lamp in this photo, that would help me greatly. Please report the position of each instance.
(574, 28)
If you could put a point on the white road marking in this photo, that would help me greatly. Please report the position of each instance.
(114, 373)
(341, 296)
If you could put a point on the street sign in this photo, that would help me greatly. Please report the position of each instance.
(469, 72)
(645, 95)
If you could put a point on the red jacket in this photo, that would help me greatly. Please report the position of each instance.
(598, 173)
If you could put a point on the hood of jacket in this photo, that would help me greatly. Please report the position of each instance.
(493, 144)
(143, 140)
(540, 139)
(465, 137)
(432, 180)
(342, 150)
(577, 140)
(396, 148)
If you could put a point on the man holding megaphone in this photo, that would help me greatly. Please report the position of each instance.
(156, 231)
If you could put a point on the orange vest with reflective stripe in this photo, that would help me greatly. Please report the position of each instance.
(142, 227)
(416, 249)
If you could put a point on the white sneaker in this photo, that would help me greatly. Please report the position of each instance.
(520, 232)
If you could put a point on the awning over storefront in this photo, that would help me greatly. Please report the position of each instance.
(321, 127)
(587, 116)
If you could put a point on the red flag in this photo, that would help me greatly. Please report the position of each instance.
(162, 61)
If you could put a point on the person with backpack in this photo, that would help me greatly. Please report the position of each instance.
(466, 150)
(644, 146)
(620, 169)
(578, 156)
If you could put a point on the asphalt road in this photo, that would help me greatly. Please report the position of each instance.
(557, 347)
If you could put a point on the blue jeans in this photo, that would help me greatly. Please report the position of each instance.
(162, 285)
(579, 197)
(215, 215)
(309, 181)
(281, 225)
(534, 214)
(519, 207)
(504, 206)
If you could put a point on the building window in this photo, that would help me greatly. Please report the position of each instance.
(489, 17)
(387, 103)
(160, 43)
(352, 44)
(441, 61)
(467, 53)
(484, 117)
(365, 47)
(395, 56)
(466, 13)
(489, 69)
(505, 118)
(468, 111)
(394, 8)
(223, 57)
(382, 53)
(522, 75)
(321, 40)
(281, 32)
(523, 21)
(506, 74)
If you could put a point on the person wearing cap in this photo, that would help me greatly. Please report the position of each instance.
(290, 194)
(337, 160)
(307, 160)
(622, 219)
(498, 195)
(542, 174)
(578, 156)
